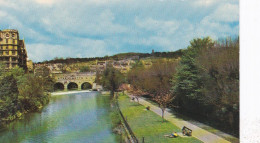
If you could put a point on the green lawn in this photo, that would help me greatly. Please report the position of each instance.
(149, 125)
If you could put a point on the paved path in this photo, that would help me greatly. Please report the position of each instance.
(197, 132)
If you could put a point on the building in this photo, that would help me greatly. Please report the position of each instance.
(12, 49)
(53, 67)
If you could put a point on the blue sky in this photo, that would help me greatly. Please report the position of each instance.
(89, 28)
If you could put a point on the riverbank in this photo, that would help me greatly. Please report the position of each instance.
(198, 132)
(68, 92)
(147, 124)
(20, 113)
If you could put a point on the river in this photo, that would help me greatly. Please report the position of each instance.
(79, 117)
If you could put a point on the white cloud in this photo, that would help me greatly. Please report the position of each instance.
(205, 3)
(158, 26)
(90, 28)
(226, 13)
(2, 14)
(46, 2)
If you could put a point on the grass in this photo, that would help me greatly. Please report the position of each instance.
(149, 125)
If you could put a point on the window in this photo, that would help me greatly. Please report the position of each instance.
(13, 35)
(13, 41)
(1, 53)
(13, 52)
(6, 52)
(6, 40)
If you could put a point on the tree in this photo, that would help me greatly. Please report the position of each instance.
(206, 83)
(112, 79)
(124, 87)
(188, 83)
(8, 96)
(31, 92)
(163, 99)
(44, 74)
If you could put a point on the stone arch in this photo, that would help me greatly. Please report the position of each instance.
(86, 85)
(72, 86)
(58, 86)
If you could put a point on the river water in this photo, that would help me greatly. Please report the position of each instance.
(81, 117)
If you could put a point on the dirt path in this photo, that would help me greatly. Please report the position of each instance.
(197, 132)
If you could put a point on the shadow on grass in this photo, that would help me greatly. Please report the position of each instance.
(136, 105)
(160, 121)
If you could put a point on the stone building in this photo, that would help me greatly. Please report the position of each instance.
(12, 49)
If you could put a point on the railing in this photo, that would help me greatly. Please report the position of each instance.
(134, 139)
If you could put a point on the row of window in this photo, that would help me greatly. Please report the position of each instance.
(7, 35)
(10, 41)
(11, 65)
(6, 47)
(7, 53)
(8, 58)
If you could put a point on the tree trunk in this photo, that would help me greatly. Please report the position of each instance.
(162, 115)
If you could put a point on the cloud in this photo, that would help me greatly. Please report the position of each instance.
(88, 28)
(2, 14)
(84, 48)
(158, 26)
(48, 2)
(226, 13)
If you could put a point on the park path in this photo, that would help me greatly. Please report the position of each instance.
(197, 132)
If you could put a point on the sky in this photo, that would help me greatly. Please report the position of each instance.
(90, 28)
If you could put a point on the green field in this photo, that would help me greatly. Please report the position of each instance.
(149, 125)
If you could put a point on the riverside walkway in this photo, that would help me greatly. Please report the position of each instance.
(197, 132)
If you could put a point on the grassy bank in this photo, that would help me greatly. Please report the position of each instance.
(149, 125)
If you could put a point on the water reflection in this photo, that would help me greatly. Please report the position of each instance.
(82, 117)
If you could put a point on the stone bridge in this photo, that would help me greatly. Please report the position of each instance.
(75, 81)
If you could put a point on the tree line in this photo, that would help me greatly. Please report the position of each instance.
(121, 56)
(21, 92)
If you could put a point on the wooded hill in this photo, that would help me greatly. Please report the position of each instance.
(120, 56)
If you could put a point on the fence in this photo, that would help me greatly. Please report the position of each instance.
(134, 139)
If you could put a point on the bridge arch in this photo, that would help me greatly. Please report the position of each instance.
(72, 86)
(86, 85)
(58, 86)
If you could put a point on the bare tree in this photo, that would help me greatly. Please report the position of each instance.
(163, 99)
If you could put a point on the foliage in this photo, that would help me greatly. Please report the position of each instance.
(207, 82)
(175, 54)
(84, 69)
(20, 92)
(31, 92)
(44, 75)
(163, 98)
(8, 97)
(152, 79)
(111, 79)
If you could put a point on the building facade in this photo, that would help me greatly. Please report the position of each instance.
(12, 50)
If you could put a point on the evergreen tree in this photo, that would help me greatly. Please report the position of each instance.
(187, 83)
